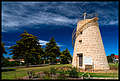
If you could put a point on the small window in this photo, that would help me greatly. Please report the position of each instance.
(80, 41)
(81, 32)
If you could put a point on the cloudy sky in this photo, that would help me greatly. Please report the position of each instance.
(58, 19)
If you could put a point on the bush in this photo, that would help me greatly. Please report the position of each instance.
(110, 60)
(4, 62)
(62, 75)
(31, 74)
(52, 70)
(73, 73)
(22, 64)
(13, 63)
(86, 75)
(113, 66)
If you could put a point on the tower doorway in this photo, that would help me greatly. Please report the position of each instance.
(80, 57)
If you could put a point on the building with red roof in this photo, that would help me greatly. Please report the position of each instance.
(116, 56)
(10, 60)
(20, 60)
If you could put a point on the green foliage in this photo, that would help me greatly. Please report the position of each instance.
(3, 49)
(52, 71)
(31, 74)
(22, 64)
(73, 73)
(86, 75)
(52, 51)
(65, 57)
(62, 75)
(13, 63)
(4, 62)
(21, 72)
(114, 66)
(27, 48)
(110, 60)
(46, 77)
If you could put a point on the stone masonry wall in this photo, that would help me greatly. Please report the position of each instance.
(91, 46)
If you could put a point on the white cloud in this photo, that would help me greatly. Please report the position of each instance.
(6, 46)
(19, 14)
(59, 45)
(43, 42)
(113, 22)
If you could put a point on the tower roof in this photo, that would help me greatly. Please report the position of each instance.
(83, 22)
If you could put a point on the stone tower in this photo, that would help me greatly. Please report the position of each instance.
(89, 51)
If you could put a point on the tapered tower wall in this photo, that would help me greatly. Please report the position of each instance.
(89, 44)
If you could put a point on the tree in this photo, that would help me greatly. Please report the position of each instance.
(113, 57)
(65, 57)
(110, 60)
(52, 51)
(3, 49)
(4, 61)
(37, 54)
(27, 48)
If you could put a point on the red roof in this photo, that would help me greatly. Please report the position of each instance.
(16, 60)
(116, 56)
(11, 60)
(57, 59)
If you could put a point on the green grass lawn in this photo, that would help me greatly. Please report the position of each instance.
(113, 66)
(21, 72)
(113, 75)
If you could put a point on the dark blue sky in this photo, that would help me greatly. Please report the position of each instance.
(57, 19)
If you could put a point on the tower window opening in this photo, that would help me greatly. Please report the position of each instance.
(80, 56)
(80, 41)
(81, 32)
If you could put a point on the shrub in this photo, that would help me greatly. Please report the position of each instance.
(46, 72)
(22, 64)
(31, 74)
(73, 73)
(62, 75)
(4, 62)
(46, 77)
(13, 63)
(86, 75)
(52, 70)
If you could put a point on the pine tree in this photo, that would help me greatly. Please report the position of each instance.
(27, 48)
(4, 61)
(65, 57)
(52, 51)
(3, 49)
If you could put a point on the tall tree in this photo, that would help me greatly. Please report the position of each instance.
(65, 57)
(3, 49)
(52, 51)
(27, 48)
(110, 60)
(4, 61)
(113, 57)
